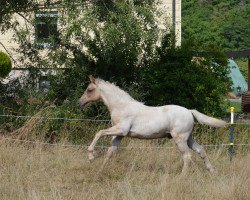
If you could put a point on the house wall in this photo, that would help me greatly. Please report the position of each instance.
(7, 40)
(171, 12)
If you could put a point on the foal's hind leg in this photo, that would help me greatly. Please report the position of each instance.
(200, 150)
(181, 142)
(116, 140)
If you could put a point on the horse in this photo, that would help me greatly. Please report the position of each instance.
(131, 118)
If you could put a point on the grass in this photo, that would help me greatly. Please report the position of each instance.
(58, 172)
(237, 107)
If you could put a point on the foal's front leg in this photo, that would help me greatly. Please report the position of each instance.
(113, 131)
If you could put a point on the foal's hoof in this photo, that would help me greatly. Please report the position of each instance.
(213, 171)
(91, 156)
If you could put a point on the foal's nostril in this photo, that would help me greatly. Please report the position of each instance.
(79, 104)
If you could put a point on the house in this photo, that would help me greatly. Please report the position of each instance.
(45, 32)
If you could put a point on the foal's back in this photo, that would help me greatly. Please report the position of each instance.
(155, 122)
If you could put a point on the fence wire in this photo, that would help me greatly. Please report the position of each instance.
(201, 133)
(54, 118)
(80, 119)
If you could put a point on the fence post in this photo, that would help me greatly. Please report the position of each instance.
(231, 148)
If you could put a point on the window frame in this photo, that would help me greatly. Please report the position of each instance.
(52, 39)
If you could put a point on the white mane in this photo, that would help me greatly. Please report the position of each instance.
(114, 91)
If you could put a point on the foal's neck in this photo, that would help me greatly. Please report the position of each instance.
(114, 97)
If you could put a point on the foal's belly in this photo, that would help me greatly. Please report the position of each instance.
(147, 131)
(150, 136)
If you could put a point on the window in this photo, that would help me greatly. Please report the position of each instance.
(46, 33)
(44, 84)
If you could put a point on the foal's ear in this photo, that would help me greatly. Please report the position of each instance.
(92, 79)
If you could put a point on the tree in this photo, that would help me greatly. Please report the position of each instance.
(118, 42)
(8, 8)
(225, 22)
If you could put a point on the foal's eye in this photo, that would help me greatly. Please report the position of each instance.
(90, 89)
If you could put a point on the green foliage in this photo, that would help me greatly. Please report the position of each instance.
(119, 42)
(225, 22)
(243, 65)
(5, 64)
(122, 41)
(177, 76)
(20, 96)
(8, 8)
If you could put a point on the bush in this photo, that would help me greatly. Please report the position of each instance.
(5, 64)
(178, 76)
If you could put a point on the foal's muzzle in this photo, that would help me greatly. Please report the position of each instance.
(83, 104)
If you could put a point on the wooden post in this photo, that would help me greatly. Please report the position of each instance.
(245, 104)
(248, 81)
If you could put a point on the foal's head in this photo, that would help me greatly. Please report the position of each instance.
(91, 94)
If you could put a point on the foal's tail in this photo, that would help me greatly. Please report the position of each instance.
(210, 121)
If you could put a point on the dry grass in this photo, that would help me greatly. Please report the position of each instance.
(57, 172)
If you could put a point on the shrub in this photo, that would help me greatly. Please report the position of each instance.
(5, 64)
(178, 76)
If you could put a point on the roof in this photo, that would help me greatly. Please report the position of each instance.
(239, 85)
(238, 54)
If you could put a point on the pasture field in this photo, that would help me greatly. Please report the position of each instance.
(35, 171)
